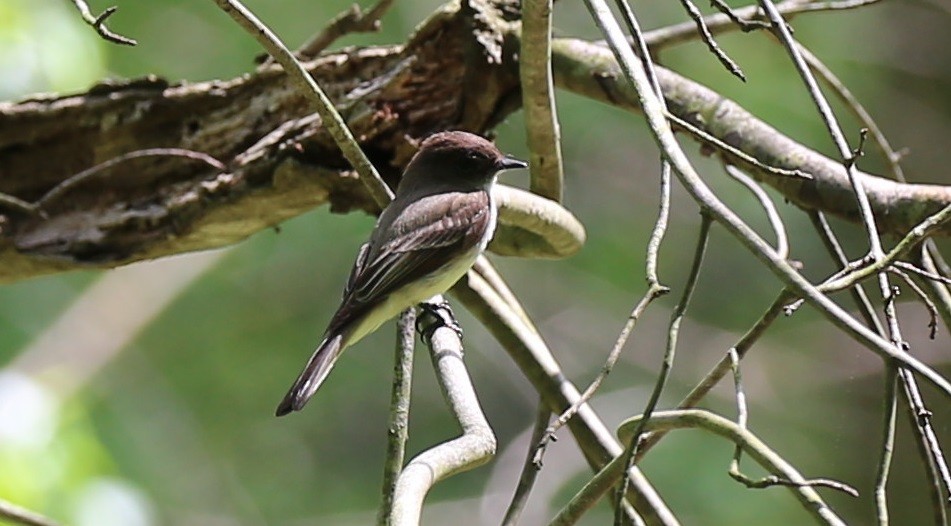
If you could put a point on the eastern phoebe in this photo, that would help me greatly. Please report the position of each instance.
(441, 219)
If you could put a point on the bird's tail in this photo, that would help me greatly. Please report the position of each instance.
(314, 374)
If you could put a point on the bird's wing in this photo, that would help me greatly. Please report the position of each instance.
(417, 245)
(358, 266)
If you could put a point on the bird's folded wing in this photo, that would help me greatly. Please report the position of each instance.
(414, 249)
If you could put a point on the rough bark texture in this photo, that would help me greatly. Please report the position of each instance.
(458, 71)
(280, 161)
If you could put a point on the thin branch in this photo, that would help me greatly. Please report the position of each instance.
(534, 358)
(673, 333)
(721, 23)
(929, 448)
(663, 213)
(775, 220)
(892, 157)
(744, 24)
(397, 428)
(904, 265)
(909, 241)
(752, 446)
(888, 446)
(664, 421)
(475, 447)
(923, 297)
(529, 468)
(693, 183)
(724, 366)
(99, 23)
(834, 248)
(590, 494)
(57, 192)
(353, 20)
(782, 31)
(715, 142)
(17, 515)
(741, 422)
(708, 39)
(538, 100)
(329, 116)
(654, 290)
(938, 292)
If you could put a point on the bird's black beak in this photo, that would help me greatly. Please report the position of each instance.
(508, 163)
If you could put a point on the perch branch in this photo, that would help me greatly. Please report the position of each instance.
(475, 447)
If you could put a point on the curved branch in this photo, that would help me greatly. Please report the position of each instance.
(475, 447)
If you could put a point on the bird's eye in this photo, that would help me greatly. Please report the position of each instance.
(474, 156)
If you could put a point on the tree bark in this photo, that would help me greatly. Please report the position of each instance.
(459, 70)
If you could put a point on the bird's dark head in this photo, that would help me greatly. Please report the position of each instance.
(457, 157)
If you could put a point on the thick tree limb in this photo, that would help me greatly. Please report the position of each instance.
(459, 70)
(590, 70)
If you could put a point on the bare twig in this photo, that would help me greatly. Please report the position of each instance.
(923, 297)
(534, 358)
(673, 333)
(904, 265)
(634, 74)
(664, 421)
(928, 259)
(752, 446)
(721, 23)
(590, 494)
(714, 142)
(708, 39)
(742, 417)
(724, 366)
(99, 23)
(17, 515)
(782, 31)
(888, 445)
(328, 114)
(353, 20)
(834, 248)
(652, 293)
(930, 449)
(397, 429)
(538, 100)
(892, 157)
(909, 241)
(58, 191)
(529, 469)
(775, 220)
(744, 24)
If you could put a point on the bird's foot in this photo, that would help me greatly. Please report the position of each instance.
(439, 315)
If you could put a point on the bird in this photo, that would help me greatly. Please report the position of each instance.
(439, 222)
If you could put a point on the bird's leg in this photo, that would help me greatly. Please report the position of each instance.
(439, 315)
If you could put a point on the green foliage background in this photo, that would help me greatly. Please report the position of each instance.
(177, 428)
